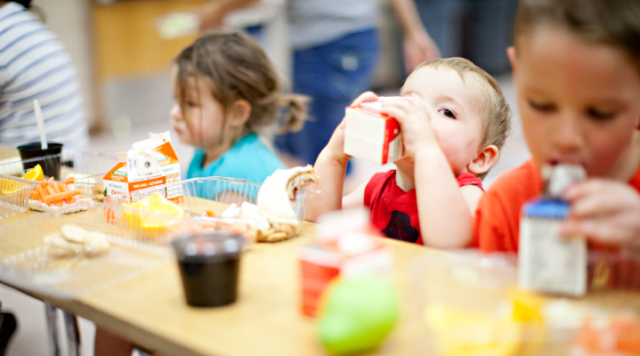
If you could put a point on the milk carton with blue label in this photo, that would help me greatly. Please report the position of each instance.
(371, 135)
(150, 166)
(548, 262)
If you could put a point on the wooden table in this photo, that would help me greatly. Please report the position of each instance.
(151, 311)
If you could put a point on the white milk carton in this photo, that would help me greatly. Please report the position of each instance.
(148, 165)
(547, 262)
(371, 135)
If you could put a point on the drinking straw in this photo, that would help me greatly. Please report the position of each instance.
(40, 121)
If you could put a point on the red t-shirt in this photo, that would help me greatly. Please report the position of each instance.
(395, 212)
(496, 224)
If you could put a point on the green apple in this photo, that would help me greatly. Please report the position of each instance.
(357, 314)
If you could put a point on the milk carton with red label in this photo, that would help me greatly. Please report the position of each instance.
(371, 135)
(346, 245)
(148, 166)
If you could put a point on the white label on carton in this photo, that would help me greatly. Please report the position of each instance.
(549, 263)
(372, 137)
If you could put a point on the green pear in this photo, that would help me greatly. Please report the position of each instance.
(357, 314)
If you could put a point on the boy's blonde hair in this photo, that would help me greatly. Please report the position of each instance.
(496, 113)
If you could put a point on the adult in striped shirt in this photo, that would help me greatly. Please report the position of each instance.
(35, 65)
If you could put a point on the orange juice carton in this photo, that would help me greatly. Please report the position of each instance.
(345, 246)
(145, 169)
(371, 135)
(548, 262)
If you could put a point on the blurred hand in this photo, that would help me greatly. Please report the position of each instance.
(603, 210)
(418, 48)
(211, 16)
(413, 116)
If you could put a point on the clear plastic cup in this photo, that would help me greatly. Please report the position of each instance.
(209, 266)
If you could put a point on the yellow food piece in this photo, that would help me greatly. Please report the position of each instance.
(35, 174)
(460, 332)
(151, 222)
(7, 186)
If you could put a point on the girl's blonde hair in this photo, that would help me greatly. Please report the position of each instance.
(237, 68)
(611, 22)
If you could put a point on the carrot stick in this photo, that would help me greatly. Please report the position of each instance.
(52, 192)
(70, 180)
(34, 195)
(55, 187)
(63, 188)
(41, 192)
(60, 196)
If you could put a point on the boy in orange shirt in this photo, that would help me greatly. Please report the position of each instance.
(577, 72)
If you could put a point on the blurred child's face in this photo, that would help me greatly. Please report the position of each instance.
(201, 124)
(455, 107)
(579, 102)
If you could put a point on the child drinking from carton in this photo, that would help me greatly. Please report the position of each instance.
(453, 119)
(227, 91)
(576, 68)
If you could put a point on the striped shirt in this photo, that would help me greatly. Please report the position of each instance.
(35, 65)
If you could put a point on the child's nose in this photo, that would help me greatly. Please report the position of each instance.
(567, 135)
(175, 112)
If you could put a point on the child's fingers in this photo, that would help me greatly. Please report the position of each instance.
(365, 97)
(598, 197)
(587, 187)
(602, 230)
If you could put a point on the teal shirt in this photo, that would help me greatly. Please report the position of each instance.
(248, 159)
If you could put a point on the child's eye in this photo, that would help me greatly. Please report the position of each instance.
(448, 113)
(191, 103)
(600, 115)
(543, 107)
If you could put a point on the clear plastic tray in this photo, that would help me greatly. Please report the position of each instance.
(14, 195)
(213, 194)
(71, 162)
(465, 303)
(28, 263)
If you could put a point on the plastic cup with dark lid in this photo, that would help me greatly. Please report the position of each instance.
(209, 267)
(49, 159)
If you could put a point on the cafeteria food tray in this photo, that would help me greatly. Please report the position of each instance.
(28, 263)
(213, 194)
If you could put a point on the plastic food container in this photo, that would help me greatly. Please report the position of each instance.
(71, 162)
(467, 304)
(14, 195)
(32, 265)
(201, 196)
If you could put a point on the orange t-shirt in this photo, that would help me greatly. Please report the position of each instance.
(496, 224)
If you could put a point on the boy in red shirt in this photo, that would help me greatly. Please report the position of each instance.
(576, 68)
(453, 119)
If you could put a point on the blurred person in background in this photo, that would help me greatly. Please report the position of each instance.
(335, 51)
(34, 65)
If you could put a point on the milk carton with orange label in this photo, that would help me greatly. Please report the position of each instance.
(145, 169)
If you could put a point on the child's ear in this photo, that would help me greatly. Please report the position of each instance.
(484, 160)
(239, 113)
(511, 54)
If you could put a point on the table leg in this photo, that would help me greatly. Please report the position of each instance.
(73, 333)
(51, 313)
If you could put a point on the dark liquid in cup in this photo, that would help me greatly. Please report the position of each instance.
(210, 280)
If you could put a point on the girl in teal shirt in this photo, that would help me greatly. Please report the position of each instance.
(227, 92)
